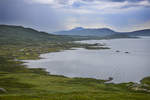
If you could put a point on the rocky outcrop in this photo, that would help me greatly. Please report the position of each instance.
(2, 90)
(139, 87)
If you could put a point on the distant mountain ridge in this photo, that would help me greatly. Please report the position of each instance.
(77, 29)
(102, 32)
(87, 32)
(10, 34)
(145, 32)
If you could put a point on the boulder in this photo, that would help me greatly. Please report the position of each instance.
(117, 51)
(2, 90)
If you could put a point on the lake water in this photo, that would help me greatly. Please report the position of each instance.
(101, 64)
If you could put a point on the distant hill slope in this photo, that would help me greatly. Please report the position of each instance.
(87, 32)
(103, 32)
(20, 35)
(145, 32)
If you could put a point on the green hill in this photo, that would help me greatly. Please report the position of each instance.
(18, 34)
(26, 43)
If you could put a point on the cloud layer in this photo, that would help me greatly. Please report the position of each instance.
(98, 4)
(54, 15)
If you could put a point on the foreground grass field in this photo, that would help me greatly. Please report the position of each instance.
(22, 83)
(29, 86)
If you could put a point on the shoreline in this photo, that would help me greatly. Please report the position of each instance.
(135, 86)
(24, 61)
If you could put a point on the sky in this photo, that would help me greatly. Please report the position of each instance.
(56, 15)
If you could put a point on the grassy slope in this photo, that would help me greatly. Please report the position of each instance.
(35, 84)
(26, 43)
(23, 83)
(20, 35)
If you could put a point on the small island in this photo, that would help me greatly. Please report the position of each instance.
(96, 47)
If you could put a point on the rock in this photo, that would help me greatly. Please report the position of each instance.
(145, 85)
(117, 51)
(139, 87)
(110, 78)
(136, 85)
(126, 52)
(98, 44)
(2, 90)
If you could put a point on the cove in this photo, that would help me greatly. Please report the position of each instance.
(128, 60)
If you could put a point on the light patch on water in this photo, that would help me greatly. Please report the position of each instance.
(101, 64)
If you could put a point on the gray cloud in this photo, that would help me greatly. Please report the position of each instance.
(126, 0)
(117, 0)
(38, 16)
(55, 15)
(102, 3)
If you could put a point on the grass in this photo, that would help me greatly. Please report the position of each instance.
(23, 83)
(31, 86)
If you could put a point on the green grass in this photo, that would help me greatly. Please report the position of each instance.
(23, 83)
(32, 86)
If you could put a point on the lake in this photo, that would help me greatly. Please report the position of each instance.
(101, 64)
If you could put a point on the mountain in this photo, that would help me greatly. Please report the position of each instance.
(19, 35)
(103, 32)
(88, 32)
(78, 29)
(145, 32)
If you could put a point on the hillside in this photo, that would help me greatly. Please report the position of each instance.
(145, 32)
(88, 32)
(103, 32)
(20, 35)
(26, 43)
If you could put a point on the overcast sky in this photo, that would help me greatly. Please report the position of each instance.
(56, 15)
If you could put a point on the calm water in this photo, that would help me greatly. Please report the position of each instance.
(101, 64)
